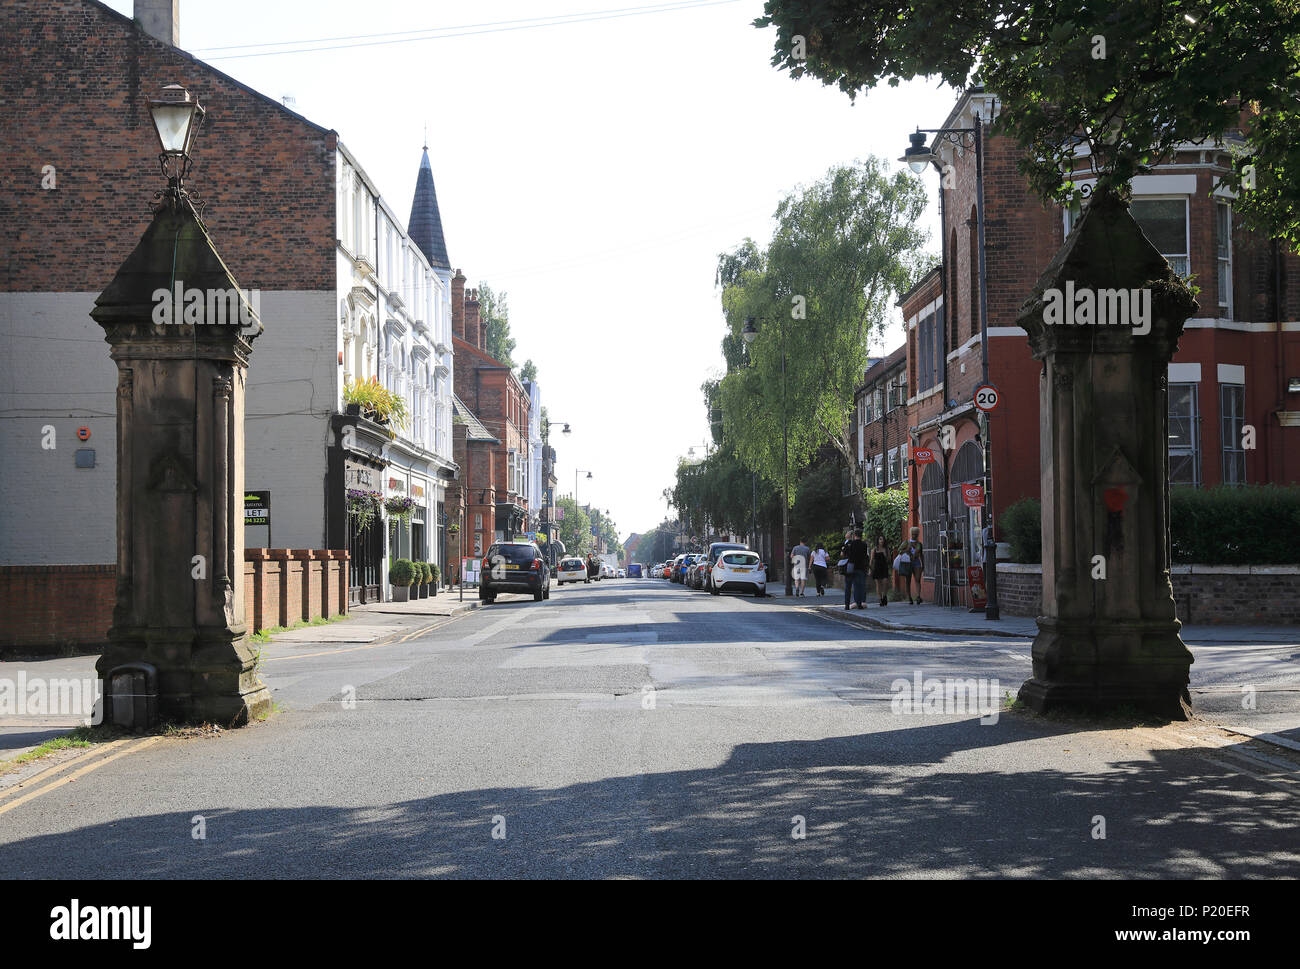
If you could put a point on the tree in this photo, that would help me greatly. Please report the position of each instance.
(528, 372)
(494, 314)
(574, 527)
(842, 249)
(1132, 79)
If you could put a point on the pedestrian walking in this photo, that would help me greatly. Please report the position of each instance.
(858, 554)
(799, 556)
(880, 569)
(843, 566)
(916, 556)
(819, 562)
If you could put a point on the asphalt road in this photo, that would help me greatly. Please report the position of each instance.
(635, 729)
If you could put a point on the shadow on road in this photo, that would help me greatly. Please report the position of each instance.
(874, 805)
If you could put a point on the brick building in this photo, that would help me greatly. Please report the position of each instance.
(881, 424)
(492, 500)
(344, 290)
(1237, 364)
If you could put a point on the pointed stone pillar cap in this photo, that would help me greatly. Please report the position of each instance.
(176, 257)
(1108, 261)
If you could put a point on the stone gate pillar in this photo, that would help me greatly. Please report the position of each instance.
(1105, 318)
(181, 331)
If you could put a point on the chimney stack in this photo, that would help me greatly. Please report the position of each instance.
(160, 19)
(472, 334)
(458, 304)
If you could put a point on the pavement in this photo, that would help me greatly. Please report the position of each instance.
(958, 621)
(634, 729)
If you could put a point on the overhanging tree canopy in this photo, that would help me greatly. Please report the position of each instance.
(1132, 79)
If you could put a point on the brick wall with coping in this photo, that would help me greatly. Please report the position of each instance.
(52, 608)
(1254, 595)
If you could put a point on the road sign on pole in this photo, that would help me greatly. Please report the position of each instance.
(986, 397)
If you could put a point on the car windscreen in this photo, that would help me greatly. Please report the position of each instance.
(569, 564)
(515, 554)
(725, 548)
(740, 558)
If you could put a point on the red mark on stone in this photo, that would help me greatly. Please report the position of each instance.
(1115, 499)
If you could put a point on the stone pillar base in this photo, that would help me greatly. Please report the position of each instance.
(1097, 668)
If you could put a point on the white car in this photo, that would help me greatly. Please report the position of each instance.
(739, 570)
(621, 574)
(571, 570)
(605, 571)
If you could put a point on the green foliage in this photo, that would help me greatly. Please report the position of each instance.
(574, 527)
(401, 572)
(528, 372)
(1021, 525)
(1163, 79)
(820, 505)
(494, 316)
(886, 514)
(1225, 525)
(431, 571)
(842, 249)
(377, 403)
(718, 491)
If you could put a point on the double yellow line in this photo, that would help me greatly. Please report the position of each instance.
(57, 776)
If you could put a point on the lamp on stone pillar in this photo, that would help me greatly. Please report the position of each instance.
(180, 330)
(1105, 319)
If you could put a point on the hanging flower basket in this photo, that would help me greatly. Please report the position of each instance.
(364, 506)
(453, 528)
(399, 506)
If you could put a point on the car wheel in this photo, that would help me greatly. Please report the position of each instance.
(537, 596)
(487, 600)
(546, 593)
(759, 593)
(713, 590)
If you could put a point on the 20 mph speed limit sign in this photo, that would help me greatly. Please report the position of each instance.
(986, 397)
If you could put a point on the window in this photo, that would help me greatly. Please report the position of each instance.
(880, 470)
(893, 465)
(891, 395)
(1232, 407)
(1223, 240)
(902, 456)
(902, 388)
(928, 340)
(1164, 222)
(1184, 436)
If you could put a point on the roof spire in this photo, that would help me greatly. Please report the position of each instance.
(425, 224)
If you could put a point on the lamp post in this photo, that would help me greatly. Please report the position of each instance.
(576, 472)
(749, 333)
(177, 118)
(919, 157)
(547, 501)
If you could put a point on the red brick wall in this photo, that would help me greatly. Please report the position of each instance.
(47, 608)
(74, 81)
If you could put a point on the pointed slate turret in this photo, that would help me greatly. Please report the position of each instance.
(425, 225)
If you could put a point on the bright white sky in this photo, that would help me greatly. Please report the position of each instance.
(591, 170)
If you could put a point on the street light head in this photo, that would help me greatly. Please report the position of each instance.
(749, 331)
(588, 475)
(566, 430)
(918, 157)
(175, 112)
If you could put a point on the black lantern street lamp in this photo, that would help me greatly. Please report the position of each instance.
(919, 157)
(177, 118)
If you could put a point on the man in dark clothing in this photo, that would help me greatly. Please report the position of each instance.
(859, 555)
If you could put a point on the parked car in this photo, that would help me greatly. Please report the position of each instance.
(606, 571)
(621, 574)
(514, 567)
(666, 570)
(684, 567)
(675, 573)
(740, 571)
(571, 569)
(699, 572)
(716, 549)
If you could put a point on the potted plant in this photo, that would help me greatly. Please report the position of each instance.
(377, 403)
(431, 574)
(425, 576)
(400, 575)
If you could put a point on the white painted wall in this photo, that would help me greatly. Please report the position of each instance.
(55, 370)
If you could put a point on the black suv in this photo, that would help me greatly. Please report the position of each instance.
(514, 567)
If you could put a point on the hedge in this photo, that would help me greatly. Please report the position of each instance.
(1222, 525)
